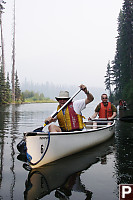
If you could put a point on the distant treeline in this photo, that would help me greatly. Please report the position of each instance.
(30, 96)
(52, 90)
(20, 97)
(49, 89)
(119, 74)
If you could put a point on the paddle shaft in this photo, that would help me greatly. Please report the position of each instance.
(54, 115)
(47, 122)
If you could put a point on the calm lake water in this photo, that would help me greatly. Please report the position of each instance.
(94, 174)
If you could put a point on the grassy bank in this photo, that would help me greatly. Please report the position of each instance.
(39, 101)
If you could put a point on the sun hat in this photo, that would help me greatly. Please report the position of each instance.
(63, 95)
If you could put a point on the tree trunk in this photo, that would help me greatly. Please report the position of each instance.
(13, 60)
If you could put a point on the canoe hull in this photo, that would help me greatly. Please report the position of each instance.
(64, 144)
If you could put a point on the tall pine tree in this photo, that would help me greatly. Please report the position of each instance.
(2, 87)
(8, 90)
(17, 88)
(108, 78)
(123, 61)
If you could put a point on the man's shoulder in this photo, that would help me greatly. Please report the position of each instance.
(79, 105)
(113, 108)
(79, 101)
(98, 107)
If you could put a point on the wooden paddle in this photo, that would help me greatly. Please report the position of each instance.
(47, 122)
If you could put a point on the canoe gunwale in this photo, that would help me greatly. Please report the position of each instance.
(84, 131)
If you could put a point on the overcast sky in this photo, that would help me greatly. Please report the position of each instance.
(62, 41)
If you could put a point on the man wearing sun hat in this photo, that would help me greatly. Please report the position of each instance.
(70, 118)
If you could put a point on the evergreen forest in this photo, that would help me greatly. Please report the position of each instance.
(119, 74)
(10, 92)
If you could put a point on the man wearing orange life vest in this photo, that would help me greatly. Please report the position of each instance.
(70, 118)
(105, 109)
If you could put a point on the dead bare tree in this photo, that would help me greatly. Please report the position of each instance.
(2, 58)
(13, 57)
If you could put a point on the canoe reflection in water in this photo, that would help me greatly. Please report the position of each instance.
(63, 175)
(72, 184)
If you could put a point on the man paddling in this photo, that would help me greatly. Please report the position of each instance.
(70, 118)
(105, 110)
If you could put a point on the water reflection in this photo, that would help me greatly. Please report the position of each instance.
(73, 183)
(14, 127)
(124, 153)
(63, 175)
(78, 175)
(9, 118)
(124, 150)
(2, 119)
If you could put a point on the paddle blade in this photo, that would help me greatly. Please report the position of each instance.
(21, 146)
(40, 129)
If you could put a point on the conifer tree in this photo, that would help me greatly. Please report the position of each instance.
(108, 78)
(123, 61)
(2, 87)
(17, 88)
(8, 90)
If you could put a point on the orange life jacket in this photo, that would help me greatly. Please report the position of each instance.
(121, 103)
(69, 120)
(105, 111)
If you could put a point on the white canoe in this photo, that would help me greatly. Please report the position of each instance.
(42, 149)
(42, 181)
